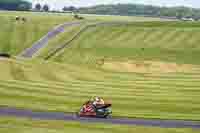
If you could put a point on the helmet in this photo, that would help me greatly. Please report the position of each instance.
(97, 99)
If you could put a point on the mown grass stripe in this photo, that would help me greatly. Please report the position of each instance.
(40, 91)
(183, 86)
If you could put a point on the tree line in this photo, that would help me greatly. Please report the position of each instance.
(117, 9)
(146, 10)
(15, 5)
(39, 7)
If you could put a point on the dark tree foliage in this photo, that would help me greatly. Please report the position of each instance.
(15, 5)
(46, 8)
(70, 8)
(65, 8)
(23, 7)
(145, 10)
(38, 6)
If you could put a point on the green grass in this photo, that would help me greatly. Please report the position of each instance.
(94, 17)
(15, 125)
(16, 36)
(64, 87)
(73, 76)
(178, 42)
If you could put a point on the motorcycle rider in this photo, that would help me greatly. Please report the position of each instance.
(88, 107)
(97, 101)
(95, 107)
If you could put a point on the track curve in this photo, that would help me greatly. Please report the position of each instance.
(63, 46)
(29, 52)
(5, 111)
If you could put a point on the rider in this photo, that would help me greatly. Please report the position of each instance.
(97, 101)
(88, 107)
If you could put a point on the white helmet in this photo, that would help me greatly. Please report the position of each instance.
(97, 99)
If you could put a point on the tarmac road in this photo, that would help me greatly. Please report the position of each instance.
(29, 52)
(4, 111)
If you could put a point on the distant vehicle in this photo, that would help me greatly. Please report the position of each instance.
(5, 55)
(24, 19)
(17, 18)
(187, 19)
(96, 108)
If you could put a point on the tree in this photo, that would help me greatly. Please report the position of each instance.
(65, 8)
(15, 5)
(138, 9)
(23, 7)
(179, 15)
(46, 8)
(38, 7)
(72, 8)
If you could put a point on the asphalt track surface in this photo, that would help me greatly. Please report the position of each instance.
(5, 111)
(29, 52)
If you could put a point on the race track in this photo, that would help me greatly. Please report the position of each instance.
(4, 111)
(29, 52)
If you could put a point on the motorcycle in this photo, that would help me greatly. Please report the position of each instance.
(96, 111)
